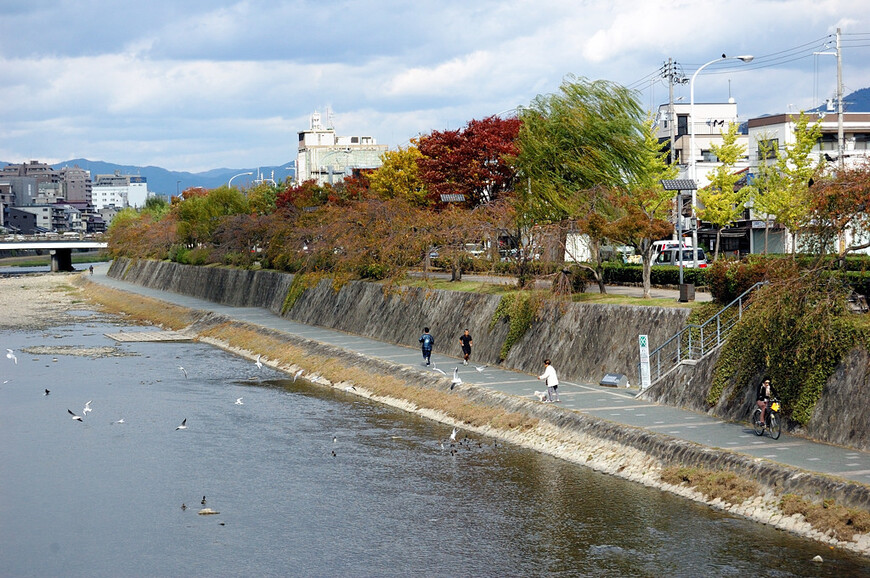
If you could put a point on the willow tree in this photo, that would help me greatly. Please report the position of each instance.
(572, 145)
(584, 136)
(722, 205)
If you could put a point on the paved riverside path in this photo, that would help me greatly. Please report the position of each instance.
(615, 405)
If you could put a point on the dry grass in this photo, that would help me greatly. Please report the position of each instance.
(249, 338)
(137, 307)
(336, 370)
(842, 522)
(725, 485)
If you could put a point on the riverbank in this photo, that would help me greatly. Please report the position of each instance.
(632, 453)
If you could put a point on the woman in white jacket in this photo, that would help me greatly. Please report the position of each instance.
(551, 380)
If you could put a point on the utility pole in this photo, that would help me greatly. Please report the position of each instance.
(841, 145)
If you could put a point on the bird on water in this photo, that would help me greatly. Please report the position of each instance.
(183, 425)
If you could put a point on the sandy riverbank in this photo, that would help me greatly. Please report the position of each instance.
(38, 301)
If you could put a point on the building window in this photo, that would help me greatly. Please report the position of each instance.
(827, 142)
(354, 139)
(708, 157)
(767, 148)
(682, 124)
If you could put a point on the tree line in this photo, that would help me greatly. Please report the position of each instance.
(583, 160)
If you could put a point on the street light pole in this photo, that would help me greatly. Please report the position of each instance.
(230, 183)
(692, 168)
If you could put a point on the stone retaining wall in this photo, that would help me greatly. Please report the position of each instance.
(584, 341)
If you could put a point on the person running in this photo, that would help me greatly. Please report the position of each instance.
(426, 342)
(465, 343)
(552, 381)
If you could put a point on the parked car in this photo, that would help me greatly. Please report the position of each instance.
(672, 257)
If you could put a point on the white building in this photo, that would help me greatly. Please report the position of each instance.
(710, 121)
(119, 190)
(328, 158)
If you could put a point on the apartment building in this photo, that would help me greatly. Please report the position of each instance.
(328, 158)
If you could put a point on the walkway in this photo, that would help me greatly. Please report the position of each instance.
(616, 405)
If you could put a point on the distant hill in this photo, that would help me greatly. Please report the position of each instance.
(164, 182)
(858, 101)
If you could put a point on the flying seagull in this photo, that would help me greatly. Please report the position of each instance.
(239, 402)
(441, 371)
(258, 363)
(184, 371)
(296, 375)
(119, 421)
(453, 434)
(456, 379)
(480, 367)
(74, 416)
(11, 355)
(183, 425)
(87, 408)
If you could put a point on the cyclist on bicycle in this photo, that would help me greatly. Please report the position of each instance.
(765, 393)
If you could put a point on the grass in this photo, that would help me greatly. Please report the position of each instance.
(828, 516)
(505, 289)
(138, 308)
(725, 485)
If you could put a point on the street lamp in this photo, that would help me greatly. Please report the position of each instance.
(230, 184)
(692, 175)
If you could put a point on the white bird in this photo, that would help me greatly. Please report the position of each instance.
(456, 379)
(87, 408)
(453, 434)
(239, 402)
(350, 388)
(183, 425)
(184, 371)
(296, 375)
(441, 371)
(119, 421)
(334, 439)
(74, 416)
(258, 363)
(480, 367)
(11, 355)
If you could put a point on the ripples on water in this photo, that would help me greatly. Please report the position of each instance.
(97, 499)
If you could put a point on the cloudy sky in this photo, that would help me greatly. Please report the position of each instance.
(203, 84)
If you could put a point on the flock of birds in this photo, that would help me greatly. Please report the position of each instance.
(10, 354)
(456, 380)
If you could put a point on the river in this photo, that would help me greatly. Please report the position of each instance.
(312, 482)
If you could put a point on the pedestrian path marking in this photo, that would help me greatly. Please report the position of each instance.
(625, 407)
(759, 445)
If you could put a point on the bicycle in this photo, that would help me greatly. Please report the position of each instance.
(772, 423)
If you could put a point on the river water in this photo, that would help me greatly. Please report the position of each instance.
(313, 482)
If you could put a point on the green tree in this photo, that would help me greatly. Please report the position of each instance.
(722, 205)
(784, 191)
(261, 198)
(584, 136)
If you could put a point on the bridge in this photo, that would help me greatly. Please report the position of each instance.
(60, 248)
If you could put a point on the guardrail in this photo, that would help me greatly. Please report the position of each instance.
(693, 342)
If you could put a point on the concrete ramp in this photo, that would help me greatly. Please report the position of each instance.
(144, 336)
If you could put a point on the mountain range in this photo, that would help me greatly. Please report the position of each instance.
(166, 182)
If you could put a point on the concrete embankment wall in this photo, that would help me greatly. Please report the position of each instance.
(584, 341)
(235, 287)
(841, 416)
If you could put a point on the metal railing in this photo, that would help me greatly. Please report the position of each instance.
(693, 342)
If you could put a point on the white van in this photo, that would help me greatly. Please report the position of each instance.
(672, 257)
